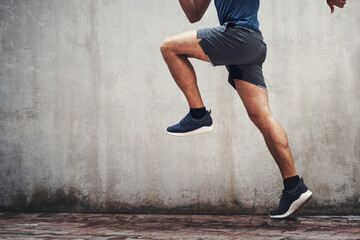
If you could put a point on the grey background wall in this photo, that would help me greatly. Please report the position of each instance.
(85, 100)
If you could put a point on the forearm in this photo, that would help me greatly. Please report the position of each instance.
(194, 9)
(338, 3)
(190, 9)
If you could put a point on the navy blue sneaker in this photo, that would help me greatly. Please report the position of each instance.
(292, 200)
(191, 126)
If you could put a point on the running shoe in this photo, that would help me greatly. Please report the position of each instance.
(292, 200)
(191, 126)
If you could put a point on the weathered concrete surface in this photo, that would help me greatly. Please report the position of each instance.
(153, 226)
(85, 98)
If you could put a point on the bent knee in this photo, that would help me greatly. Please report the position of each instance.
(166, 46)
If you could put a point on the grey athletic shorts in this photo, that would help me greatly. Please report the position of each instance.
(242, 50)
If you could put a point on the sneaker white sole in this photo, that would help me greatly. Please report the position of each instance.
(306, 196)
(197, 131)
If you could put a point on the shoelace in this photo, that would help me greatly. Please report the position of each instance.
(281, 198)
(185, 118)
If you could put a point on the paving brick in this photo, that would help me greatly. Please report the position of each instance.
(244, 220)
(200, 219)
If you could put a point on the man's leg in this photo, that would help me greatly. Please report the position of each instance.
(176, 50)
(255, 100)
(256, 103)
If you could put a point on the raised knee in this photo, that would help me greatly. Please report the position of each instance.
(165, 47)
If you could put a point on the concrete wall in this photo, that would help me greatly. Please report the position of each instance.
(85, 100)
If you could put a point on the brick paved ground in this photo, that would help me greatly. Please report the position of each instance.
(152, 226)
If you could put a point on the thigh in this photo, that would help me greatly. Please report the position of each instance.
(251, 73)
(255, 98)
(231, 44)
(187, 44)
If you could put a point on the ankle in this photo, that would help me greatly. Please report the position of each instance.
(198, 112)
(291, 182)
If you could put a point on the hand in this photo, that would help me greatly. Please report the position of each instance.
(338, 3)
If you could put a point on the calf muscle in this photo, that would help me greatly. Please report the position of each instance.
(176, 51)
(255, 100)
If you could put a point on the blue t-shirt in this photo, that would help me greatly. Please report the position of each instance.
(241, 12)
